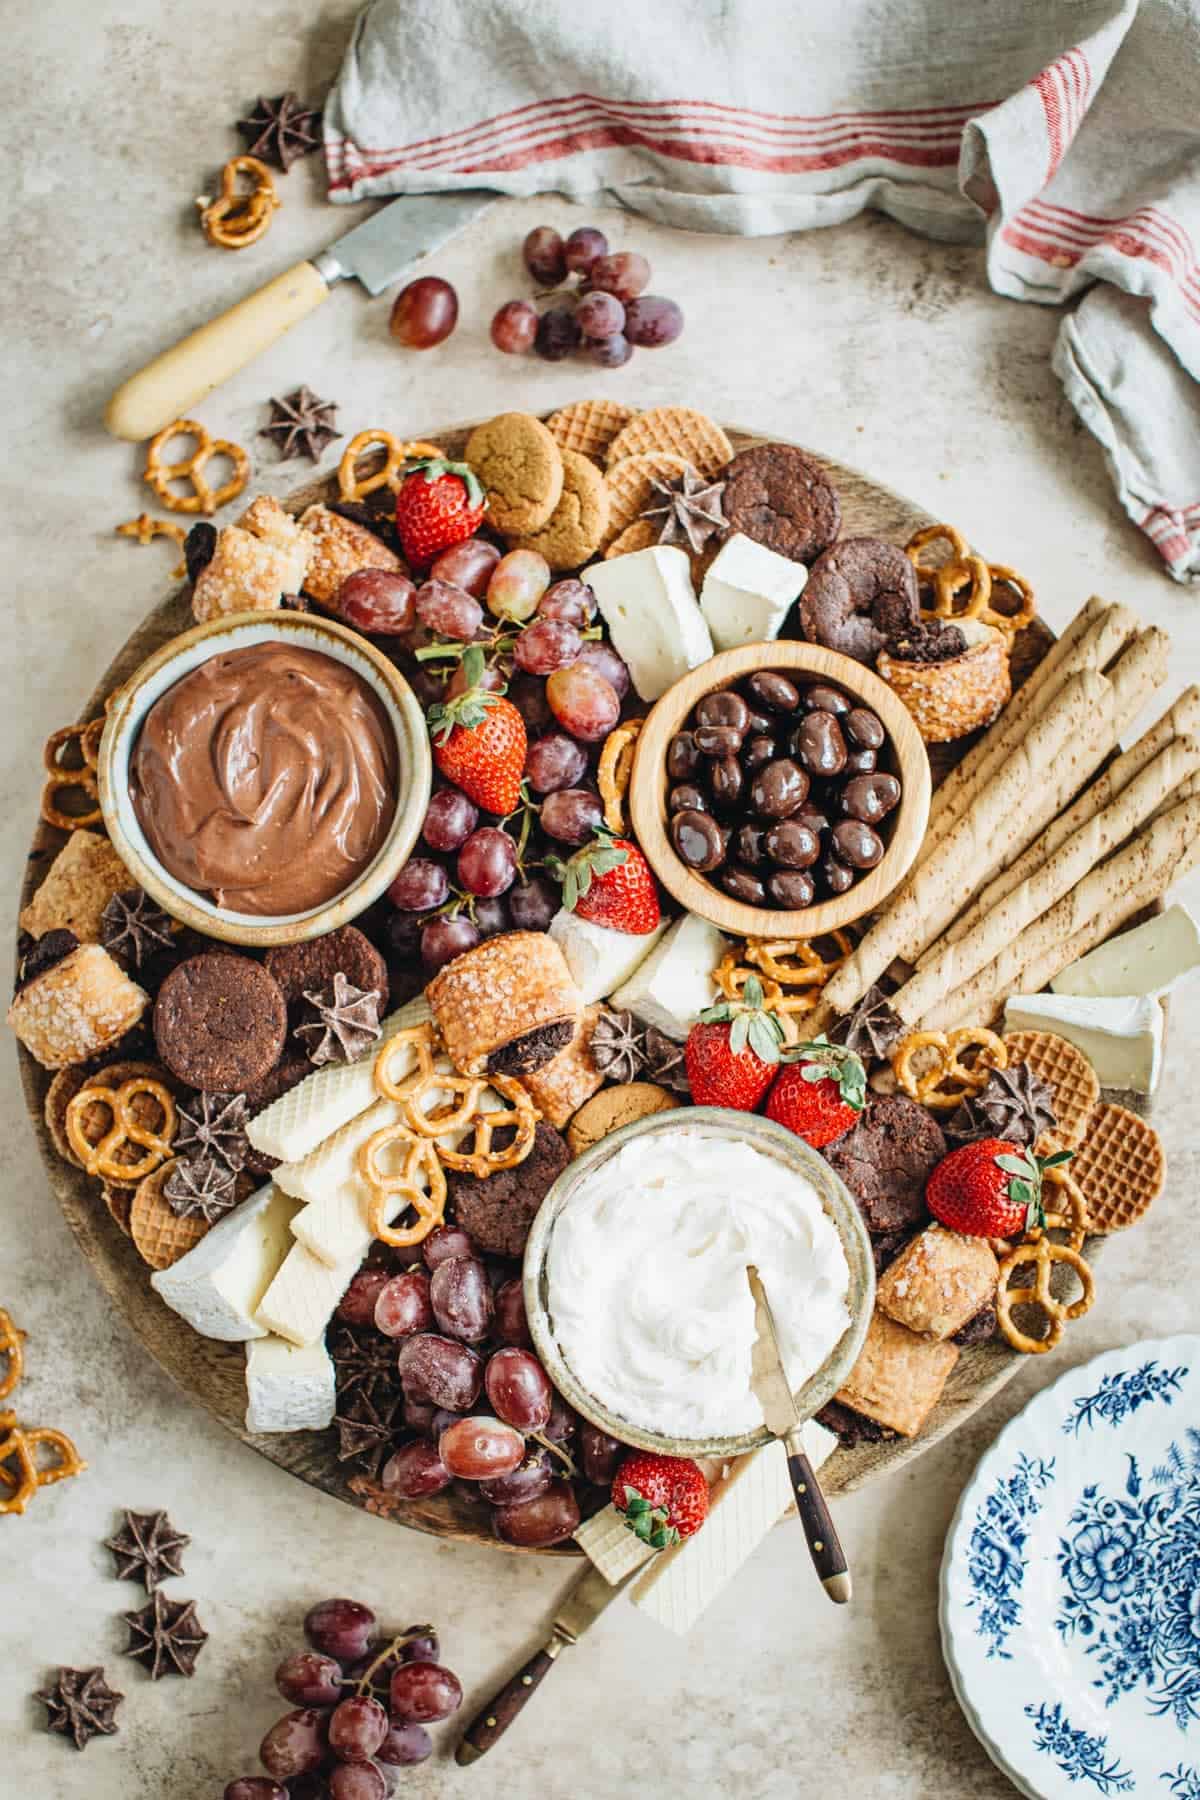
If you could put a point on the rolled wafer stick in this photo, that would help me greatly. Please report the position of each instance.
(955, 963)
(1149, 862)
(1061, 748)
(1180, 720)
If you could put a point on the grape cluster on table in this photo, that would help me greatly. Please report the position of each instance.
(605, 316)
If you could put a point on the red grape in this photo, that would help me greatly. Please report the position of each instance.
(517, 583)
(468, 565)
(604, 660)
(571, 815)
(475, 1448)
(491, 681)
(405, 1745)
(403, 1305)
(563, 1422)
(461, 1297)
(624, 274)
(570, 600)
(254, 1787)
(519, 1389)
(491, 917)
(529, 1479)
(418, 1416)
(512, 1327)
(419, 885)
(599, 1453)
(424, 313)
(415, 1471)
(339, 1628)
(443, 1243)
(650, 320)
(554, 761)
(357, 1304)
(487, 862)
(358, 1781)
(599, 315)
(444, 939)
(557, 334)
(546, 1519)
(308, 1679)
(449, 610)
(440, 1371)
(528, 695)
(357, 1727)
(377, 601)
(449, 820)
(546, 645)
(532, 904)
(583, 702)
(609, 352)
(423, 1693)
(423, 1648)
(545, 255)
(583, 247)
(514, 327)
(295, 1744)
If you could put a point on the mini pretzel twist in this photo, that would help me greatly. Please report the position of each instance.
(11, 1346)
(397, 453)
(423, 1039)
(421, 1156)
(934, 534)
(794, 962)
(63, 777)
(969, 572)
(1068, 1213)
(144, 530)
(469, 1116)
(204, 498)
(237, 217)
(1010, 622)
(100, 1157)
(942, 1083)
(614, 770)
(1042, 1255)
(24, 1445)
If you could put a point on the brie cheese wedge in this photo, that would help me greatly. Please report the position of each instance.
(600, 959)
(299, 1302)
(218, 1285)
(289, 1388)
(1147, 960)
(1121, 1037)
(674, 984)
(748, 592)
(649, 605)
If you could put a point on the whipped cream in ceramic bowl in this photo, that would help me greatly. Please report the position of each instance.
(636, 1275)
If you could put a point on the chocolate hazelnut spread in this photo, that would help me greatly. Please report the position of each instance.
(266, 778)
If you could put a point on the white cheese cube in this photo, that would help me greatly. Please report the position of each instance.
(218, 1285)
(289, 1388)
(600, 959)
(674, 984)
(299, 1302)
(649, 605)
(1121, 1037)
(1147, 960)
(748, 592)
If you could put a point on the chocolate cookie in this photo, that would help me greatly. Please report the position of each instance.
(860, 594)
(220, 1022)
(885, 1160)
(499, 1210)
(779, 497)
(308, 968)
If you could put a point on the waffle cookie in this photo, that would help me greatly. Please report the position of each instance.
(680, 430)
(1069, 1076)
(629, 489)
(159, 1236)
(589, 426)
(1119, 1168)
(638, 536)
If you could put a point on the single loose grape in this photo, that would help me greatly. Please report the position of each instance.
(517, 583)
(424, 313)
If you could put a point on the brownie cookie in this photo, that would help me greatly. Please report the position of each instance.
(885, 1160)
(860, 595)
(310, 968)
(521, 469)
(779, 497)
(220, 1023)
(498, 1210)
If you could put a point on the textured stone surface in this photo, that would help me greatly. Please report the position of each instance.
(885, 351)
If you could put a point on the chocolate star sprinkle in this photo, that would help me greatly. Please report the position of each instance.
(1016, 1104)
(619, 1046)
(166, 1636)
(214, 1125)
(690, 509)
(366, 1427)
(665, 1062)
(80, 1704)
(281, 131)
(346, 1025)
(147, 1549)
(133, 929)
(199, 1185)
(872, 1030)
(301, 422)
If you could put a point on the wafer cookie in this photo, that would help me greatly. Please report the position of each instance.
(680, 430)
(629, 489)
(1067, 1073)
(638, 536)
(1119, 1168)
(119, 1201)
(161, 1237)
(589, 426)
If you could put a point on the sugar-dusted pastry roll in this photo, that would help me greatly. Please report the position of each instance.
(506, 1007)
(76, 1008)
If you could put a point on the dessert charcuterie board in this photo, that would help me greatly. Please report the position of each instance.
(214, 1372)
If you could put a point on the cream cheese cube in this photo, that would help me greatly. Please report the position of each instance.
(649, 605)
(748, 592)
(600, 959)
(1122, 1037)
(674, 984)
(289, 1388)
(218, 1285)
(1147, 960)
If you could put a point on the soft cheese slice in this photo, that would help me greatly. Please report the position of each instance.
(217, 1286)
(289, 1388)
(299, 1302)
(748, 592)
(302, 1118)
(600, 960)
(649, 606)
(674, 984)
(1147, 960)
(1122, 1038)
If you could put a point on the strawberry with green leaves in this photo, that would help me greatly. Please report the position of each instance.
(732, 1052)
(438, 504)
(819, 1092)
(479, 741)
(990, 1188)
(608, 882)
(664, 1498)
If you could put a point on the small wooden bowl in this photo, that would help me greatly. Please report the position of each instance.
(903, 755)
(178, 657)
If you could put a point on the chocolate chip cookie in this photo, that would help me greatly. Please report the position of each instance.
(778, 496)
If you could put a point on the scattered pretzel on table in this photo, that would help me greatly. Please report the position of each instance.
(204, 498)
(946, 1079)
(236, 216)
(144, 530)
(11, 1346)
(421, 1156)
(614, 770)
(61, 777)
(21, 1485)
(98, 1157)
(1042, 1256)
(396, 454)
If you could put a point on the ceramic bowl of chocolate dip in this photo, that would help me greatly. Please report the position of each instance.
(265, 776)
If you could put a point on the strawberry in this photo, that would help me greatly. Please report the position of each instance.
(609, 883)
(438, 504)
(990, 1188)
(664, 1498)
(732, 1053)
(819, 1092)
(479, 741)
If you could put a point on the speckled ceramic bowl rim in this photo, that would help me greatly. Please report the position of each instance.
(188, 651)
(771, 1139)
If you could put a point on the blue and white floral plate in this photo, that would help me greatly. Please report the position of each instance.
(1070, 1596)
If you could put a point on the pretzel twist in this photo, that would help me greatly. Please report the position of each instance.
(62, 776)
(397, 453)
(423, 1039)
(237, 217)
(470, 1117)
(428, 1202)
(11, 1346)
(99, 1158)
(934, 534)
(1042, 1255)
(21, 1486)
(144, 530)
(614, 770)
(1004, 577)
(204, 498)
(794, 962)
(941, 1084)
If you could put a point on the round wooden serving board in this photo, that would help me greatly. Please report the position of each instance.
(213, 1373)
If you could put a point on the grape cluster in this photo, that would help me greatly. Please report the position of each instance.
(362, 1704)
(605, 315)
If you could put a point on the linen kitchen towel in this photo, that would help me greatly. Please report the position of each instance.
(1064, 132)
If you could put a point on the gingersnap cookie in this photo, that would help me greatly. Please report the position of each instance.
(630, 489)
(579, 521)
(521, 469)
(220, 1022)
(308, 968)
(681, 430)
(589, 426)
(780, 497)
(613, 1107)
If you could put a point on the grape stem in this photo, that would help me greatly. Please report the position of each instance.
(564, 1456)
(363, 1684)
(527, 812)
